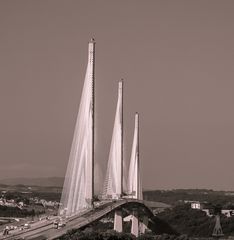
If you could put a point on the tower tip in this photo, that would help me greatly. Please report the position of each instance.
(121, 81)
(92, 40)
(121, 84)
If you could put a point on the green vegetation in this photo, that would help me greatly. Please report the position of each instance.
(96, 235)
(112, 235)
(99, 230)
(194, 223)
(160, 226)
(17, 197)
(173, 197)
(24, 196)
(151, 236)
(23, 191)
(15, 212)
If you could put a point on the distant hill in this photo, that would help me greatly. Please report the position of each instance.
(43, 182)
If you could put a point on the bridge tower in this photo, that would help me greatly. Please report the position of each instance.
(113, 185)
(134, 178)
(78, 188)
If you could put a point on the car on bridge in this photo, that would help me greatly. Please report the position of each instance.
(59, 223)
(27, 226)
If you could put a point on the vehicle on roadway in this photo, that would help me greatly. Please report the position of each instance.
(59, 223)
(27, 226)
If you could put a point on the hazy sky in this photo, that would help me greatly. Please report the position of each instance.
(177, 59)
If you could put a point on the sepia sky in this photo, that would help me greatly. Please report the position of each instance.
(177, 59)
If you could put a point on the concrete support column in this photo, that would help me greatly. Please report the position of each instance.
(135, 223)
(144, 224)
(118, 221)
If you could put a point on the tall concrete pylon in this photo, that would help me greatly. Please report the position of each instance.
(118, 220)
(134, 177)
(113, 185)
(78, 188)
(135, 223)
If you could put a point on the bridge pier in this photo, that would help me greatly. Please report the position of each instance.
(135, 223)
(118, 221)
(144, 224)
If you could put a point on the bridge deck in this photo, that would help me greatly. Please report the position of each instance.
(48, 231)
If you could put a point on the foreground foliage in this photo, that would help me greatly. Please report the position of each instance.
(15, 212)
(195, 223)
(96, 235)
(112, 235)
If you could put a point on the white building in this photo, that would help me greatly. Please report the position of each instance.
(227, 212)
(196, 205)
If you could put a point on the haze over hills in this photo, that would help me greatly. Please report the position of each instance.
(44, 182)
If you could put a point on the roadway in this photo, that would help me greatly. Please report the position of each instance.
(47, 230)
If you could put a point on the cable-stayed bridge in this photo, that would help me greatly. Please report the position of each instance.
(77, 206)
